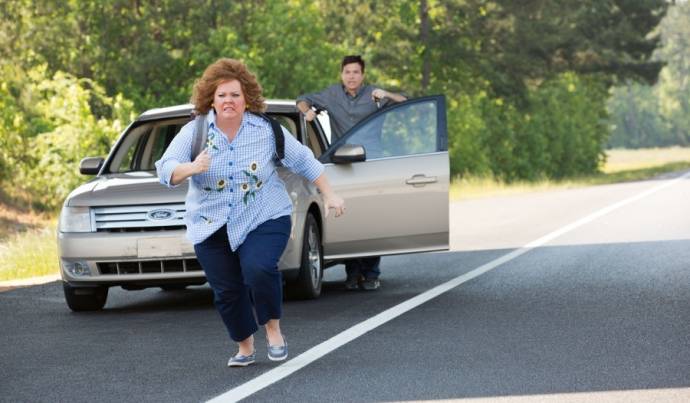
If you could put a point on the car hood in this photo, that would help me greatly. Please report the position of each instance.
(125, 189)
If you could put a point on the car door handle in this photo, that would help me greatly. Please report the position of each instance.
(420, 180)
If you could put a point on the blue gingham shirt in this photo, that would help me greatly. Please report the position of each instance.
(241, 187)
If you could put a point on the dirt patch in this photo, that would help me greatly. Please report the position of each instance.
(14, 220)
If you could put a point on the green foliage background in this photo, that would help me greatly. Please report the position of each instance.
(645, 115)
(527, 82)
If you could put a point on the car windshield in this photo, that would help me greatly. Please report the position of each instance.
(144, 144)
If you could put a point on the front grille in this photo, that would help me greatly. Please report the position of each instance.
(146, 229)
(149, 266)
(141, 218)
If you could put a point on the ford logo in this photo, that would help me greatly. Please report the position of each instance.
(160, 214)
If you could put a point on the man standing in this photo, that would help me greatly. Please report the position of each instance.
(347, 103)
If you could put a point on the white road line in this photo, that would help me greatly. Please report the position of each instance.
(340, 339)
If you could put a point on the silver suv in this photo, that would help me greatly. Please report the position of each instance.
(124, 228)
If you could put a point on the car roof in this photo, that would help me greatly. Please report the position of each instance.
(273, 106)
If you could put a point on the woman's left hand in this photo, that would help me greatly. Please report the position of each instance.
(333, 201)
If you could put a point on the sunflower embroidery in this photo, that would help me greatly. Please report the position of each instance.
(247, 195)
(220, 186)
(254, 183)
(210, 140)
(250, 172)
(211, 144)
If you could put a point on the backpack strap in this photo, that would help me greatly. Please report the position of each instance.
(199, 136)
(277, 134)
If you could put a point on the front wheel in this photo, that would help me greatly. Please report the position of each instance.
(308, 282)
(85, 298)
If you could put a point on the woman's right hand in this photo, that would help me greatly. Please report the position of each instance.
(183, 171)
(201, 162)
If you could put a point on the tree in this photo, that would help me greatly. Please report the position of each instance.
(659, 115)
(503, 65)
(674, 86)
(56, 120)
(282, 42)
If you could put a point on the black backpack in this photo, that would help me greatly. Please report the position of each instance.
(201, 132)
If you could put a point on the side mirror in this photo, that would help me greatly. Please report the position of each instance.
(91, 165)
(348, 153)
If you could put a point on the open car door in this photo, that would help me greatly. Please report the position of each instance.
(392, 170)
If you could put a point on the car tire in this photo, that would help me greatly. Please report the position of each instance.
(307, 285)
(81, 299)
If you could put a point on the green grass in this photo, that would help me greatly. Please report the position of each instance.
(621, 166)
(28, 254)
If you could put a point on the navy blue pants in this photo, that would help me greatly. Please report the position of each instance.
(368, 267)
(246, 282)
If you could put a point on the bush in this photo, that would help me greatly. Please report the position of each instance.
(560, 133)
(61, 120)
(569, 113)
(465, 125)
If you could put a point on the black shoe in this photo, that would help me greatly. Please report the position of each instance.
(352, 283)
(370, 284)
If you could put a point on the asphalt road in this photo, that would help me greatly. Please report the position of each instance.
(599, 313)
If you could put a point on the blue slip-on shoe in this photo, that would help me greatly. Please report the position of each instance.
(240, 360)
(278, 353)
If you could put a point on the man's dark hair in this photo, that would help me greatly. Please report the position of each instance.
(352, 59)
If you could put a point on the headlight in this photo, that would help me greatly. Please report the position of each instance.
(75, 219)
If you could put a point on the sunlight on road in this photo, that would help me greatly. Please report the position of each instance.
(513, 221)
(618, 396)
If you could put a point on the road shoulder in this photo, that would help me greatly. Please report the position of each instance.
(27, 282)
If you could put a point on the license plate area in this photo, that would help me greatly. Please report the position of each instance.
(159, 247)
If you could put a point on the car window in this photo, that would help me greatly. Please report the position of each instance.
(324, 121)
(287, 122)
(157, 143)
(404, 130)
(128, 153)
(144, 145)
(314, 140)
(125, 157)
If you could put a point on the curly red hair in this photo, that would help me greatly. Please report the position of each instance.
(221, 71)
